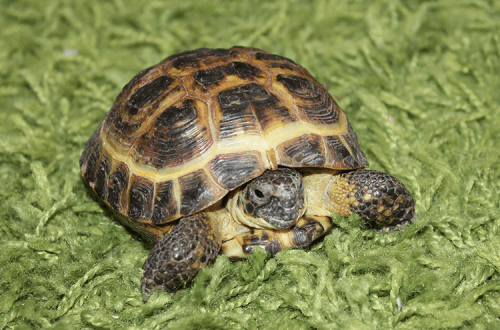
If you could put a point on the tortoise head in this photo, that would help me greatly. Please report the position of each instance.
(274, 199)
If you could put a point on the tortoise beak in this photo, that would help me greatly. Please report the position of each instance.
(278, 215)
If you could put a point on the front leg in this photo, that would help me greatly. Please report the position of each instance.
(379, 198)
(302, 234)
(193, 243)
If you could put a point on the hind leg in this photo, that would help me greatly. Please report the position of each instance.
(302, 234)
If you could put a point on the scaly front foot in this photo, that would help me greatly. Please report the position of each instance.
(178, 256)
(302, 234)
(377, 197)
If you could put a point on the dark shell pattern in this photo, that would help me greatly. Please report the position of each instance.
(183, 133)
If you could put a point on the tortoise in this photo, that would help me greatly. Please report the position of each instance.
(224, 150)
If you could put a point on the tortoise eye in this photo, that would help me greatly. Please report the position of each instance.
(259, 193)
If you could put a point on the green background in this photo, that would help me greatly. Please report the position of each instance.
(419, 81)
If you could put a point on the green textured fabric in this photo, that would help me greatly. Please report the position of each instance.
(419, 81)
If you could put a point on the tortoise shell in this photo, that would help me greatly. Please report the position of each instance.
(183, 133)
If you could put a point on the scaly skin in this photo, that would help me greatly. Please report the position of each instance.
(377, 197)
(193, 243)
(301, 235)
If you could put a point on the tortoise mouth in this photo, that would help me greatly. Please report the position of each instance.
(279, 215)
(280, 223)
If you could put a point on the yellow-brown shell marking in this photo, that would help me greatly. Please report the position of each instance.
(183, 133)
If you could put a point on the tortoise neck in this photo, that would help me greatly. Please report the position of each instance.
(318, 185)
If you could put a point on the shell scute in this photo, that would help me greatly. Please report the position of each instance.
(206, 83)
(306, 150)
(250, 109)
(141, 198)
(197, 192)
(242, 70)
(102, 176)
(135, 107)
(117, 185)
(236, 115)
(315, 103)
(233, 169)
(165, 206)
(209, 77)
(340, 156)
(195, 58)
(178, 134)
(147, 93)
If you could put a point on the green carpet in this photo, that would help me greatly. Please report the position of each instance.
(419, 81)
